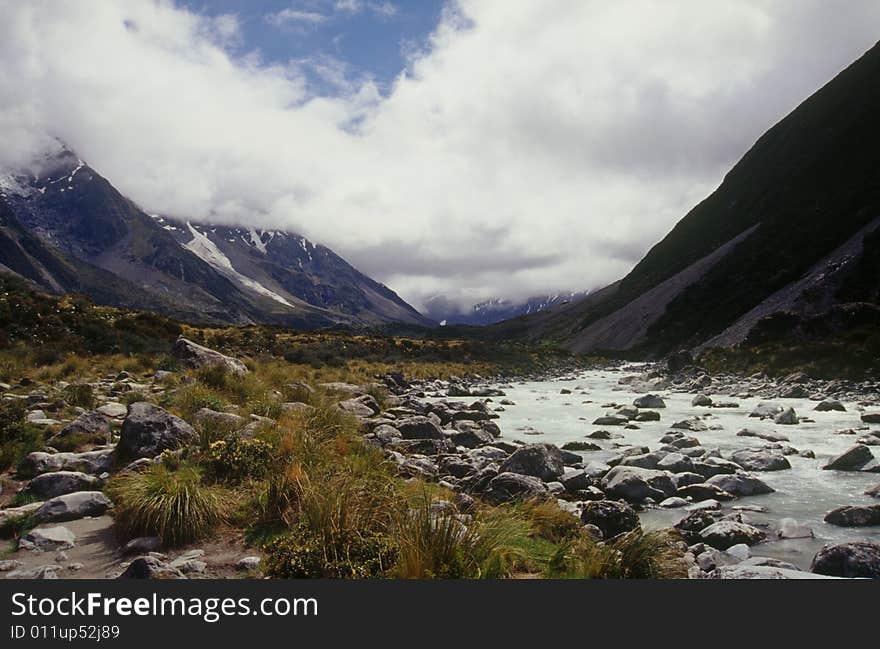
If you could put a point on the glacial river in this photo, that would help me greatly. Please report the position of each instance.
(805, 492)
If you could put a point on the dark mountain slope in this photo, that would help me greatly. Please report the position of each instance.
(806, 187)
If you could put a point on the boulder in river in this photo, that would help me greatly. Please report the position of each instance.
(701, 400)
(765, 410)
(695, 522)
(871, 417)
(703, 491)
(787, 417)
(649, 401)
(543, 461)
(723, 534)
(760, 460)
(635, 484)
(694, 424)
(857, 559)
(855, 458)
(508, 487)
(854, 516)
(610, 516)
(148, 430)
(740, 484)
(611, 420)
(830, 405)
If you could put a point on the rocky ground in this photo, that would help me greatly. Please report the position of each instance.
(443, 432)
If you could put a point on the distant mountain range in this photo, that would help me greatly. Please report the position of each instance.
(67, 229)
(786, 248)
(448, 312)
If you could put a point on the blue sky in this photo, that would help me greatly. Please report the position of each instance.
(370, 36)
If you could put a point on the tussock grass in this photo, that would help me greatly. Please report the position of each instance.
(171, 504)
(635, 555)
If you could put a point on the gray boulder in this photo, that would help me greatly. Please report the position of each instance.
(740, 484)
(760, 460)
(649, 401)
(871, 417)
(509, 487)
(92, 426)
(703, 491)
(635, 484)
(858, 559)
(856, 458)
(766, 410)
(148, 430)
(701, 400)
(610, 516)
(196, 356)
(854, 516)
(205, 418)
(676, 463)
(724, 534)
(72, 506)
(543, 461)
(91, 462)
(419, 428)
(693, 424)
(829, 405)
(58, 483)
(49, 539)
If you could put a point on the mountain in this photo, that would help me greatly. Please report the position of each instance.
(66, 228)
(786, 245)
(445, 311)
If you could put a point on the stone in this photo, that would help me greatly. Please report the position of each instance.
(611, 420)
(871, 417)
(222, 422)
(760, 460)
(741, 571)
(694, 523)
(740, 484)
(10, 564)
(787, 417)
(471, 438)
(507, 487)
(72, 506)
(113, 410)
(196, 356)
(48, 539)
(419, 428)
(148, 430)
(830, 405)
(770, 437)
(857, 559)
(739, 552)
(873, 491)
(611, 517)
(647, 415)
(636, 484)
(58, 483)
(676, 463)
(150, 567)
(644, 460)
(855, 458)
(854, 516)
(701, 400)
(543, 461)
(673, 502)
(649, 401)
(693, 424)
(91, 462)
(248, 564)
(581, 446)
(575, 480)
(766, 410)
(92, 426)
(723, 534)
(142, 545)
(39, 572)
(703, 491)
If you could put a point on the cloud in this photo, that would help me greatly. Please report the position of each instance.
(526, 148)
(287, 17)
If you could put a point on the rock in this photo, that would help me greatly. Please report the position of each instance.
(857, 559)
(611, 517)
(787, 417)
(39, 572)
(709, 504)
(58, 483)
(221, 422)
(611, 420)
(142, 545)
(644, 460)
(148, 430)
(150, 567)
(712, 466)
(827, 406)
(581, 446)
(49, 539)
(507, 487)
(92, 426)
(543, 461)
(770, 437)
(739, 552)
(676, 463)
(10, 564)
(854, 516)
(760, 460)
(423, 446)
(677, 361)
(724, 534)
(72, 506)
(740, 484)
(741, 571)
(647, 415)
(694, 425)
(873, 491)
(600, 434)
(694, 523)
(196, 356)
(701, 400)
(856, 458)
(703, 491)
(789, 528)
(649, 401)
(17, 513)
(766, 410)
(871, 417)
(248, 564)
(113, 410)
(419, 428)
(635, 484)
(575, 480)
(673, 502)
(91, 462)
(472, 438)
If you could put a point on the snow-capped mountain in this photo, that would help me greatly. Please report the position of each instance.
(445, 311)
(67, 228)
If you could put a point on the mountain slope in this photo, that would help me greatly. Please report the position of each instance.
(441, 309)
(181, 270)
(806, 188)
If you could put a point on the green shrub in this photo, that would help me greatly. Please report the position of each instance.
(234, 460)
(635, 555)
(17, 437)
(171, 504)
(80, 394)
(304, 554)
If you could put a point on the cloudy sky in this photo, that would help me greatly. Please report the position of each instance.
(470, 148)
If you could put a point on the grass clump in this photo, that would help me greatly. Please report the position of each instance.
(172, 504)
(236, 460)
(17, 437)
(634, 555)
(81, 395)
